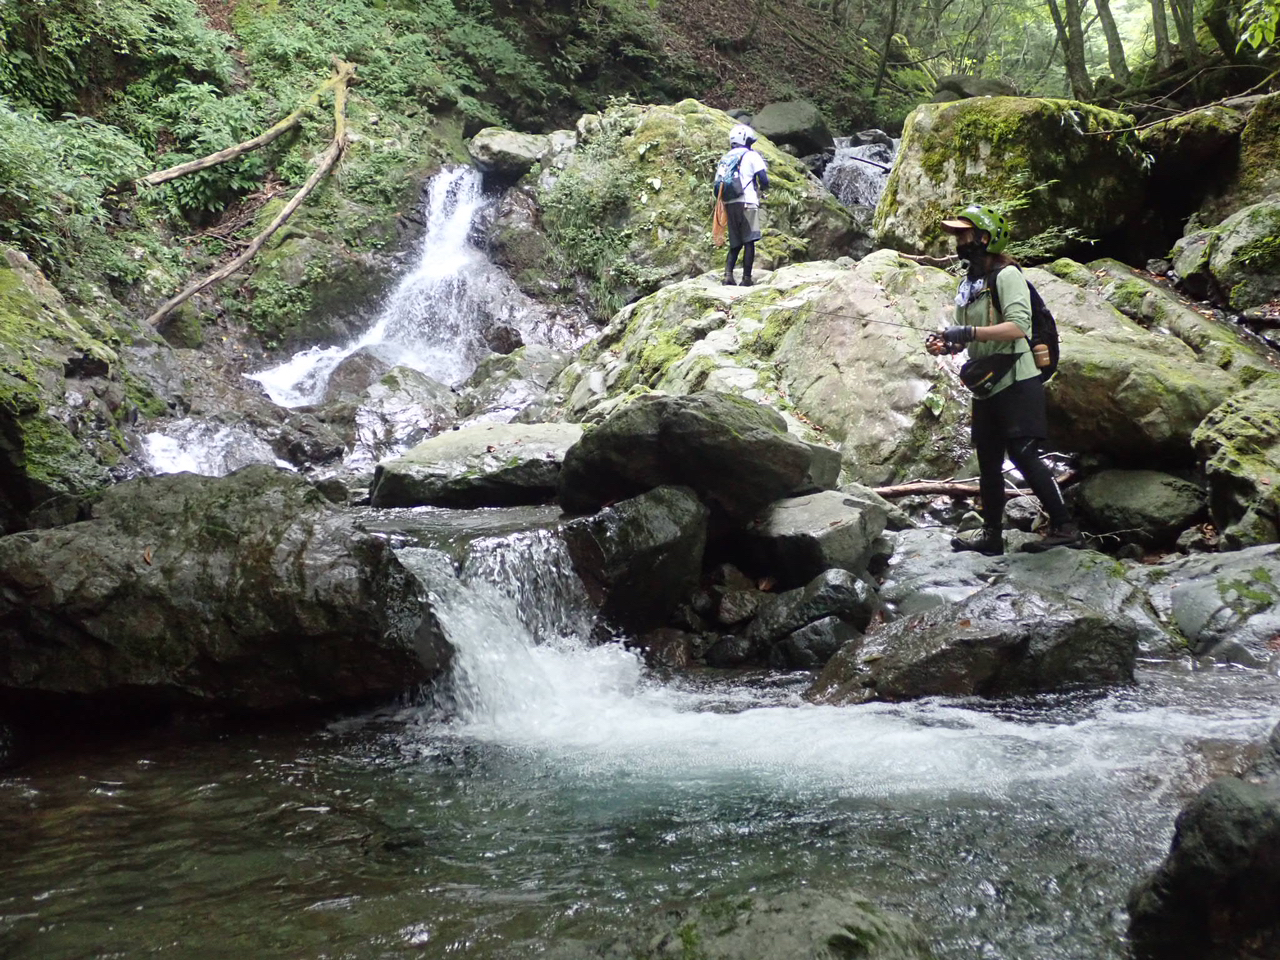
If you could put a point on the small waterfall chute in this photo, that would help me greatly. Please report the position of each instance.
(859, 171)
(207, 448)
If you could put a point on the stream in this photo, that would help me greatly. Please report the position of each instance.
(552, 791)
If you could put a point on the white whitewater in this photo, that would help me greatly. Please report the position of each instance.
(858, 173)
(207, 448)
(537, 689)
(436, 318)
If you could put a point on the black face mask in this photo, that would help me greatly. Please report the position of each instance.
(973, 251)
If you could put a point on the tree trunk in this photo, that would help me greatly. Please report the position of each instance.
(1160, 30)
(1218, 19)
(1115, 49)
(1071, 37)
(1184, 20)
(890, 30)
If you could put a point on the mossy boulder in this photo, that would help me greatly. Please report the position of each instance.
(66, 399)
(1256, 175)
(1185, 145)
(506, 152)
(1236, 263)
(1141, 506)
(628, 204)
(1129, 393)
(831, 346)
(245, 593)
(1001, 149)
(1157, 308)
(795, 123)
(1240, 444)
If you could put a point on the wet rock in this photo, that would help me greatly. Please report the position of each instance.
(640, 558)
(246, 593)
(402, 409)
(734, 453)
(1140, 506)
(503, 386)
(803, 341)
(357, 372)
(810, 647)
(833, 593)
(895, 517)
(1002, 641)
(1226, 605)
(735, 606)
(987, 146)
(1022, 513)
(507, 152)
(731, 651)
(1215, 895)
(1240, 443)
(796, 539)
(798, 925)
(486, 465)
(925, 573)
(796, 123)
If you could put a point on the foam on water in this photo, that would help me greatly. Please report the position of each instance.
(595, 712)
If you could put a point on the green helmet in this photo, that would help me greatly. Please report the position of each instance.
(992, 221)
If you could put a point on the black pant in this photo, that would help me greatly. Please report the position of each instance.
(1013, 423)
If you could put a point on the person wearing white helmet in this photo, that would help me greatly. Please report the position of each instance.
(743, 210)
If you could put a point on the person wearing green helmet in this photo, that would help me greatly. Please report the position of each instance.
(1009, 417)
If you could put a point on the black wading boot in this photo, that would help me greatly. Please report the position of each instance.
(1067, 535)
(728, 278)
(746, 279)
(988, 541)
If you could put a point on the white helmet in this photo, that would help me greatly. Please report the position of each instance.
(741, 136)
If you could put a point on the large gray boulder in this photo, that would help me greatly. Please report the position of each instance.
(994, 148)
(1216, 896)
(1237, 262)
(1240, 444)
(1003, 640)
(245, 593)
(485, 465)
(830, 346)
(794, 123)
(798, 538)
(507, 152)
(963, 86)
(737, 455)
(400, 409)
(640, 558)
(1226, 606)
(1141, 506)
(505, 385)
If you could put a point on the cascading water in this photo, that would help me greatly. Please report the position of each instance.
(858, 172)
(436, 319)
(209, 449)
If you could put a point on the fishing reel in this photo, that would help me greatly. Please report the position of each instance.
(936, 344)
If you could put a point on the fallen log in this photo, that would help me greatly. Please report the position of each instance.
(344, 75)
(957, 489)
(328, 160)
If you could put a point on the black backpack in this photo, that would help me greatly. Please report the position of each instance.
(1044, 329)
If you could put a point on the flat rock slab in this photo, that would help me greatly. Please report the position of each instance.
(798, 538)
(486, 465)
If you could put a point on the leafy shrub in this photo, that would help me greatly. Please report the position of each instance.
(54, 178)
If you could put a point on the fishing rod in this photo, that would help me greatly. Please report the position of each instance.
(887, 323)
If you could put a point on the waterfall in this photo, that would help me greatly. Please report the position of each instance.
(857, 174)
(209, 449)
(527, 680)
(437, 318)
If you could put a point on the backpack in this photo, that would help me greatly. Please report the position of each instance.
(1044, 329)
(726, 185)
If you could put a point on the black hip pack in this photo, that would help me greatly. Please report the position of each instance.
(982, 374)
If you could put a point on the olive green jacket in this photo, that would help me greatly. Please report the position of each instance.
(1015, 299)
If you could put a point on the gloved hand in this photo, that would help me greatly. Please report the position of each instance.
(959, 336)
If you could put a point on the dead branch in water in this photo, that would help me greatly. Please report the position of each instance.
(950, 488)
